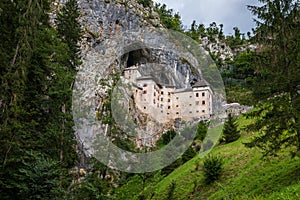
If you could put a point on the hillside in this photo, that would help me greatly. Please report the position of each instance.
(246, 176)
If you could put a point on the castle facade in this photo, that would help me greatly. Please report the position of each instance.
(166, 102)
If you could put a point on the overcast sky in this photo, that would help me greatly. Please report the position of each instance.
(230, 13)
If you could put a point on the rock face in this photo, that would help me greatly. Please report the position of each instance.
(118, 35)
(218, 48)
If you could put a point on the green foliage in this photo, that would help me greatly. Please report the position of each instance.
(166, 138)
(274, 133)
(235, 40)
(69, 30)
(239, 76)
(168, 19)
(212, 168)
(201, 130)
(91, 187)
(145, 3)
(230, 131)
(242, 68)
(277, 81)
(188, 154)
(39, 178)
(245, 176)
(36, 87)
(170, 190)
(213, 32)
(94, 184)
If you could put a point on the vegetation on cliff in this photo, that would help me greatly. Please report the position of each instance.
(39, 156)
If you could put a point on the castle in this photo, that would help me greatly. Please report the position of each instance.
(166, 102)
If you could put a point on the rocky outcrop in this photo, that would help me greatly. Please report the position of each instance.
(117, 35)
(218, 48)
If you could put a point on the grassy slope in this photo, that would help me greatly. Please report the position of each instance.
(245, 176)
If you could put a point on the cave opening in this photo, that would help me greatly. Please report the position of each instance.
(137, 57)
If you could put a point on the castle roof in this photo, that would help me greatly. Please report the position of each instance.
(201, 83)
(183, 90)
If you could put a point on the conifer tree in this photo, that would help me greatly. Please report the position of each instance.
(230, 132)
(277, 81)
(69, 30)
(37, 72)
(23, 88)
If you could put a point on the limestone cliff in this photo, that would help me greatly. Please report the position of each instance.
(119, 34)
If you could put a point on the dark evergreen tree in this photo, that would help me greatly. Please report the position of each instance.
(39, 178)
(69, 30)
(230, 132)
(201, 130)
(23, 87)
(35, 98)
(213, 168)
(277, 83)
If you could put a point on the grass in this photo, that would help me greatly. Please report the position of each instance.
(246, 175)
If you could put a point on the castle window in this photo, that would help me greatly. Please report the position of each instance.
(169, 107)
(161, 111)
(145, 85)
(190, 112)
(197, 111)
(145, 92)
(203, 94)
(203, 102)
(197, 94)
(177, 113)
(203, 111)
(169, 100)
(162, 92)
(190, 104)
(162, 99)
(197, 103)
(191, 96)
(145, 108)
(177, 98)
(169, 93)
(154, 93)
(168, 113)
(161, 106)
(177, 106)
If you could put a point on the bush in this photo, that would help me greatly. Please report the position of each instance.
(213, 167)
(171, 189)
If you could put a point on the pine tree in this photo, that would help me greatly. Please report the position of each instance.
(278, 72)
(230, 132)
(36, 85)
(69, 30)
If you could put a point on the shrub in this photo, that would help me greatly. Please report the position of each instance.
(171, 189)
(213, 167)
